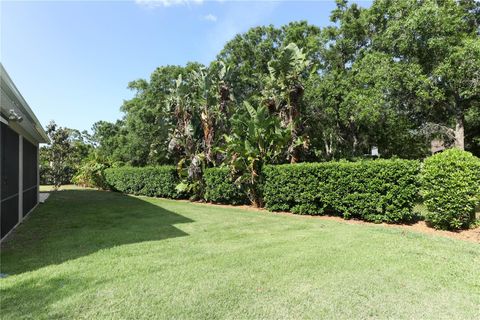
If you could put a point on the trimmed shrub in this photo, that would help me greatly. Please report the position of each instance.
(379, 190)
(146, 181)
(220, 188)
(451, 188)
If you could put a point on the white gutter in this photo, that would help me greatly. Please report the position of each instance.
(25, 108)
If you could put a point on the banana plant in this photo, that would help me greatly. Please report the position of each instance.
(214, 98)
(185, 144)
(182, 138)
(283, 93)
(257, 138)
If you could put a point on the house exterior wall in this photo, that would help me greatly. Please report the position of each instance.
(9, 167)
(20, 135)
(19, 178)
(30, 176)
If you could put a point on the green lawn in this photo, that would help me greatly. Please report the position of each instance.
(88, 254)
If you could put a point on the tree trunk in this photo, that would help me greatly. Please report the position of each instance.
(328, 146)
(294, 150)
(295, 157)
(295, 96)
(208, 126)
(460, 131)
(354, 137)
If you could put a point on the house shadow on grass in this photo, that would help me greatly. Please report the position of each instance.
(39, 295)
(76, 223)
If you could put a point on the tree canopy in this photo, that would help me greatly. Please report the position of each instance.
(395, 75)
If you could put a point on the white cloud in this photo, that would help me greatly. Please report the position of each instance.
(166, 3)
(210, 17)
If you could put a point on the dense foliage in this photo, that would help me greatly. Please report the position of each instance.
(60, 159)
(393, 76)
(147, 181)
(92, 174)
(220, 188)
(256, 139)
(451, 188)
(66, 153)
(380, 191)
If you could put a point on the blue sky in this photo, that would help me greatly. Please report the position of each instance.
(72, 61)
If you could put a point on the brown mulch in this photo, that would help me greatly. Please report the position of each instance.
(472, 235)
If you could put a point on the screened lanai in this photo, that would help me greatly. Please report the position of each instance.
(20, 136)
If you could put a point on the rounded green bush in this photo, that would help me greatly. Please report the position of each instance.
(451, 189)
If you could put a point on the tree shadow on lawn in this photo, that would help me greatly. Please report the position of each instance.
(76, 223)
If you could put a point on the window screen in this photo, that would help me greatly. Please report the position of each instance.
(9, 175)
(29, 176)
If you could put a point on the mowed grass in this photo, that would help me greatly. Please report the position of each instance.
(88, 254)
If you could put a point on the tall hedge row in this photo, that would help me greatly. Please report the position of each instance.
(147, 181)
(220, 188)
(381, 190)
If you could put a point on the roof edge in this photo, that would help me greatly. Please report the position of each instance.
(24, 105)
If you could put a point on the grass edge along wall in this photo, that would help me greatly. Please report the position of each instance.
(374, 190)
